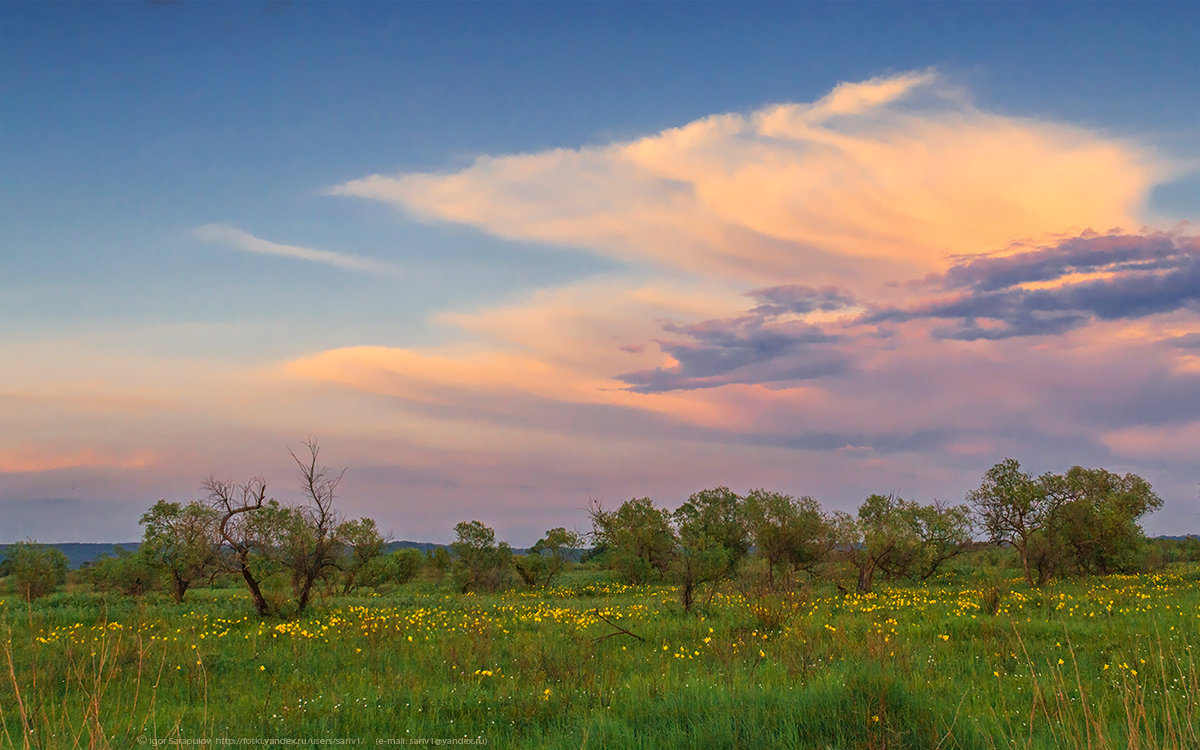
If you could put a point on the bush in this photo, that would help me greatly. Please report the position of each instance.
(129, 573)
(479, 562)
(399, 567)
(37, 569)
(438, 558)
(406, 563)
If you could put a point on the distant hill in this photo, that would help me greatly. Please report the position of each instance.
(79, 553)
(405, 544)
(573, 554)
(428, 546)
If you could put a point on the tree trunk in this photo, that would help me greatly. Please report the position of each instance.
(686, 593)
(260, 602)
(865, 575)
(1025, 561)
(305, 590)
(181, 587)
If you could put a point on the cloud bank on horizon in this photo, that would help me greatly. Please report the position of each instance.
(889, 286)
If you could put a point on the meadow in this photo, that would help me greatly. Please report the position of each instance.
(966, 661)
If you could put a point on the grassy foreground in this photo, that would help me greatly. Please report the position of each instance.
(1099, 663)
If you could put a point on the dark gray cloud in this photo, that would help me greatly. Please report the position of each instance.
(1143, 275)
(879, 441)
(1081, 254)
(753, 348)
(794, 298)
(777, 370)
(984, 298)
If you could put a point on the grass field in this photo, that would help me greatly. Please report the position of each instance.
(1096, 663)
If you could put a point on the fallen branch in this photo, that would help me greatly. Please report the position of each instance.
(619, 630)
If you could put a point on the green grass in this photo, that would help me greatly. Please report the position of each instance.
(1099, 663)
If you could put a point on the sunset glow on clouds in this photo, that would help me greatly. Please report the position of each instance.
(887, 288)
(731, 200)
(899, 170)
(939, 233)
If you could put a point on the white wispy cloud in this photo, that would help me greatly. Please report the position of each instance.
(242, 240)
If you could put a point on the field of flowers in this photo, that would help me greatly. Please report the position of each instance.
(1101, 663)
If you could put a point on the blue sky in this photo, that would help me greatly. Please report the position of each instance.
(127, 128)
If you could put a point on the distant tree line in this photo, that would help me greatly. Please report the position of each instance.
(1085, 521)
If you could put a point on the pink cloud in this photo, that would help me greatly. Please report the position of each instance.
(32, 459)
(1166, 442)
(736, 348)
(793, 188)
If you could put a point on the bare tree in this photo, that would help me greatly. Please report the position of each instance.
(311, 543)
(237, 505)
(260, 534)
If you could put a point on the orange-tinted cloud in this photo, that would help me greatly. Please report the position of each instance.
(48, 459)
(735, 345)
(900, 170)
(465, 380)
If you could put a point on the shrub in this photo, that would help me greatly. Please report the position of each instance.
(37, 569)
(129, 573)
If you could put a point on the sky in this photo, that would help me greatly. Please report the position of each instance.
(502, 259)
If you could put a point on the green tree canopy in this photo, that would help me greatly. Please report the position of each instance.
(182, 541)
(637, 537)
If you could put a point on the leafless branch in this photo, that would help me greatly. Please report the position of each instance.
(619, 630)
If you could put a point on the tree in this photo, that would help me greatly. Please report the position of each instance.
(1012, 506)
(438, 559)
(711, 538)
(362, 544)
(881, 538)
(547, 557)
(244, 536)
(700, 555)
(37, 569)
(1085, 519)
(637, 537)
(182, 541)
(478, 561)
(406, 563)
(789, 533)
(1095, 518)
(310, 546)
(943, 531)
(714, 519)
